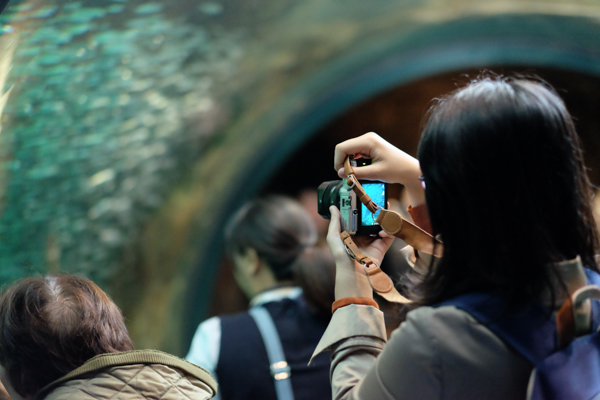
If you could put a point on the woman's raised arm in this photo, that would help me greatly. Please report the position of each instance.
(389, 164)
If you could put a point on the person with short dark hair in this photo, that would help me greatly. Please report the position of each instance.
(501, 169)
(62, 337)
(267, 239)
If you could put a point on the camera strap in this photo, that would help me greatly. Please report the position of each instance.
(393, 224)
(380, 282)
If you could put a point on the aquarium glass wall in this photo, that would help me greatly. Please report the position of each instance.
(104, 105)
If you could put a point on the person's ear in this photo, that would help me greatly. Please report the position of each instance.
(254, 261)
(248, 261)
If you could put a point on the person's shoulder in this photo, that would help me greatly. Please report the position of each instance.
(441, 321)
(104, 375)
(151, 379)
(450, 330)
(237, 317)
(447, 314)
(212, 321)
(460, 348)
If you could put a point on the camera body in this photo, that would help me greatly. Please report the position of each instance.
(356, 219)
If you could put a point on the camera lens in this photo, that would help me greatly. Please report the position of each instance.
(328, 194)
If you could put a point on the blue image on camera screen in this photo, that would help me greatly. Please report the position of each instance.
(376, 192)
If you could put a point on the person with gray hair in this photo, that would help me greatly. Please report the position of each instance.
(62, 337)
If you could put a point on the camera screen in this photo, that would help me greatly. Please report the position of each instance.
(376, 191)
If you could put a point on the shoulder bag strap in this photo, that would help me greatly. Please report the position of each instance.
(280, 370)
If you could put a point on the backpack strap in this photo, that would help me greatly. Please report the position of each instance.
(573, 320)
(593, 278)
(280, 370)
(572, 372)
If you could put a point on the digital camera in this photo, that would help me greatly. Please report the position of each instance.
(356, 219)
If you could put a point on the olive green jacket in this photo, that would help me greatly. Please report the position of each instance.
(141, 374)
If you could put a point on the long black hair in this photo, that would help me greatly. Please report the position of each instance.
(506, 188)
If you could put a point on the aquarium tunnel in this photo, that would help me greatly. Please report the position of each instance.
(132, 129)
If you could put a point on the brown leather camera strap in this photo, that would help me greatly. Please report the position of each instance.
(381, 283)
(393, 224)
(361, 194)
(574, 318)
(357, 187)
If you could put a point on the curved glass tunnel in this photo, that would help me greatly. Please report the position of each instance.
(131, 129)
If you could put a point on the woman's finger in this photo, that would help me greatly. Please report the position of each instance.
(333, 234)
(363, 144)
(334, 224)
(372, 171)
(384, 234)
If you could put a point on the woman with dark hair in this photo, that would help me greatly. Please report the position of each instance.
(502, 173)
(62, 337)
(270, 242)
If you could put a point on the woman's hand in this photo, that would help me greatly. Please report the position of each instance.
(389, 164)
(350, 278)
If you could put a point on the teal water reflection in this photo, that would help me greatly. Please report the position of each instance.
(110, 103)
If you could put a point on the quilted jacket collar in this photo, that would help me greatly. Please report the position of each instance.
(138, 359)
